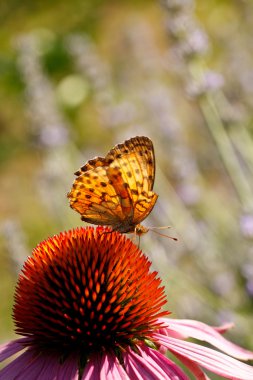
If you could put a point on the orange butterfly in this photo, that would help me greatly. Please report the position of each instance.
(117, 190)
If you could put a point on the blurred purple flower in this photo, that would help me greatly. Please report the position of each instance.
(246, 225)
(209, 82)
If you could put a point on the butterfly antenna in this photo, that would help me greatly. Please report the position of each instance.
(159, 233)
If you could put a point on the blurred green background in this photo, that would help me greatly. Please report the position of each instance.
(78, 77)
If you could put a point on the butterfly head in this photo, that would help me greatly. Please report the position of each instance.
(140, 230)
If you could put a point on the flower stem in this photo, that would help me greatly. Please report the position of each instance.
(227, 153)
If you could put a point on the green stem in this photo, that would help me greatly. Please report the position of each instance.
(227, 153)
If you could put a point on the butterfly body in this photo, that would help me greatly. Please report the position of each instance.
(116, 190)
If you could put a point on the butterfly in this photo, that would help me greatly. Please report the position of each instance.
(117, 190)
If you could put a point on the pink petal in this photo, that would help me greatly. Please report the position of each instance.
(51, 368)
(153, 365)
(212, 360)
(163, 362)
(111, 369)
(92, 369)
(30, 366)
(68, 370)
(193, 367)
(198, 330)
(11, 348)
(17, 369)
(106, 367)
(225, 327)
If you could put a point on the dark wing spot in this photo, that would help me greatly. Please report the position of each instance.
(137, 171)
(87, 196)
(103, 184)
(129, 174)
(125, 184)
(135, 192)
(119, 155)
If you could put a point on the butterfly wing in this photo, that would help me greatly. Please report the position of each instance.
(95, 198)
(135, 160)
(117, 190)
(92, 164)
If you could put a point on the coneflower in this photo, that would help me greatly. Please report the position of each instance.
(88, 306)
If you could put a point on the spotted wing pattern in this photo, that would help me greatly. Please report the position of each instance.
(117, 190)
